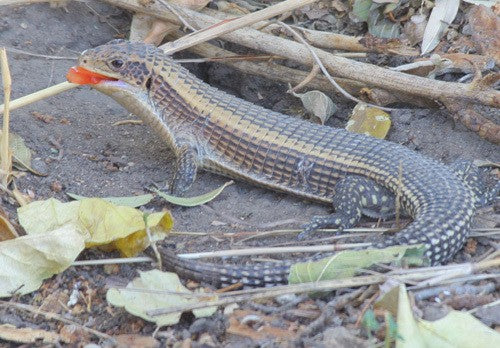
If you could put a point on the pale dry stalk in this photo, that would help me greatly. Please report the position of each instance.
(5, 153)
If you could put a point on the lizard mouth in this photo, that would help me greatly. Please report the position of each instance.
(82, 76)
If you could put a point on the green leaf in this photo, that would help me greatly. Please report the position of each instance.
(139, 303)
(193, 201)
(384, 29)
(361, 9)
(370, 322)
(129, 201)
(346, 263)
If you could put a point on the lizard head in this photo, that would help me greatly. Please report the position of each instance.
(117, 62)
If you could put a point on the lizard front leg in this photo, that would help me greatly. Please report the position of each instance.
(186, 169)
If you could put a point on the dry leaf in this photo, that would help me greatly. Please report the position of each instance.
(7, 231)
(159, 29)
(369, 121)
(28, 260)
(442, 15)
(139, 303)
(102, 222)
(318, 104)
(414, 29)
(43, 216)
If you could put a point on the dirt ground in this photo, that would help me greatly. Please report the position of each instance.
(82, 152)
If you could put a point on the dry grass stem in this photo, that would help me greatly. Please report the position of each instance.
(20, 2)
(18, 51)
(312, 74)
(39, 95)
(323, 39)
(112, 261)
(279, 250)
(230, 25)
(5, 153)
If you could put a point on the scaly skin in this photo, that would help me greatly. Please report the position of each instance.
(215, 131)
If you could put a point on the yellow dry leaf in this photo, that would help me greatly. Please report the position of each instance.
(7, 231)
(106, 222)
(369, 121)
(102, 223)
(159, 225)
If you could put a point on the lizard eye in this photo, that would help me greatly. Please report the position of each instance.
(117, 63)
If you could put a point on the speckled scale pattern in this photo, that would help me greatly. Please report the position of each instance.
(244, 141)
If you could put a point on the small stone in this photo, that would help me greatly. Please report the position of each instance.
(56, 186)
(111, 269)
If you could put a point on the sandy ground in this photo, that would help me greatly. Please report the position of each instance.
(82, 151)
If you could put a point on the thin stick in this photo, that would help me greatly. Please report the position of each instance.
(6, 160)
(18, 51)
(112, 261)
(326, 73)
(231, 25)
(39, 95)
(279, 250)
(174, 11)
(21, 2)
(50, 315)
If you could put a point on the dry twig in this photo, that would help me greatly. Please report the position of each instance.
(366, 73)
(54, 316)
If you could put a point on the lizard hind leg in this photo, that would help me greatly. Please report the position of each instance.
(475, 178)
(354, 196)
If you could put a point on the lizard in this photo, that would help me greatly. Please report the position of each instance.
(211, 130)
